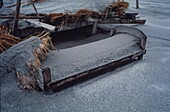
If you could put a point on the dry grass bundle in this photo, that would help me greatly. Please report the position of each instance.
(27, 82)
(44, 48)
(117, 7)
(32, 80)
(87, 13)
(29, 54)
(64, 18)
(4, 29)
(7, 41)
(120, 4)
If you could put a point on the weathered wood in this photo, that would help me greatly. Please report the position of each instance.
(94, 30)
(122, 21)
(21, 17)
(34, 7)
(71, 26)
(16, 17)
(129, 21)
(1, 3)
(44, 25)
(80, 77)
(79, 68)
(46, 77)
(25, 59)
(137, 4)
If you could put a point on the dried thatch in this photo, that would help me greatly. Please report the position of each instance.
(6, 40)
(4, 29)
(117, 7)
(25, 60)
(64, 18)
(31, 80)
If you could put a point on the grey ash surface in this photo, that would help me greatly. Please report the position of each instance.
(143, 86)
(71, 61)
(69, 44)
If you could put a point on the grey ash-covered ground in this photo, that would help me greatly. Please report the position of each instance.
(143, 86)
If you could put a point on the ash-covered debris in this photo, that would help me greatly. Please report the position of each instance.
(24, 44)
(25, 60)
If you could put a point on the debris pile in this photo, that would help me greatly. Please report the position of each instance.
(64, 18)
(26, 54)
(25, 60)
(119, 7)
(32, 79)
(6, 40)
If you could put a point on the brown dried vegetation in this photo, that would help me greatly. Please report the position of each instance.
(117, 7)
(29, 80)
(64, 18)
(6, 40)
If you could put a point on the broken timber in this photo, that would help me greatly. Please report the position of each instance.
(34, 7)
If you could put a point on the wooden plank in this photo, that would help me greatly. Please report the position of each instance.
(122, 21)
(137, 4)
(44, 25)
(1, 3)
(21, 17)
(15, 26)
(94, 30)
(71, 26)
(46, 77)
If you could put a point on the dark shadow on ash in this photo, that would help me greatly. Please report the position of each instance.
(77, 36)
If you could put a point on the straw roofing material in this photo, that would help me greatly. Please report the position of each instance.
(25, 60)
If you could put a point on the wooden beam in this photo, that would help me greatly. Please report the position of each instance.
(21, 17)
(66, 82)
(137, 4)
(15, 5)
(15, 26)
(1, 3)
(34, 7)
(47, 26)
(46, 77)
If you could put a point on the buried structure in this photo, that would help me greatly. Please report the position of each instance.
(82, 56)
(64, 49)
(111, 48)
